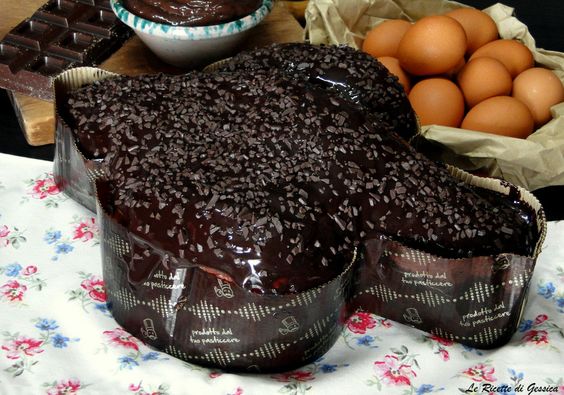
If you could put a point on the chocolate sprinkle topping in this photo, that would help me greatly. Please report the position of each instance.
(349, 73)
(272, 182)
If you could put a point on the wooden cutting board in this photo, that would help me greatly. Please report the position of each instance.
(36, 116)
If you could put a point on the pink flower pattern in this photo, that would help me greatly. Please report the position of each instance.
(441, 341)
(139, 389)
(536, 337)
(360, 322)
(540, 319)
(86, 230)
(480, 373)
(385, 323)
(393, 371)
(65, 387)
(21, 280)
(298, 375)
(29, 270)
(95, 288)
(21, 346)
(13, 290)
(44, 187)
(119, 337)
(444, 354)
(4, 232)
(440, 345)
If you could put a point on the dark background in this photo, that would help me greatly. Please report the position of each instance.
(544, 18)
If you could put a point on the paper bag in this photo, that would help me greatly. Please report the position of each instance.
(532, 163)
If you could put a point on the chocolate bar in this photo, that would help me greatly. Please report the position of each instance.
(60, 35)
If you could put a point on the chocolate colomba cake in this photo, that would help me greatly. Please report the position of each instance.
(270, 182)
(341, 71)
(351, 74)
(94, 113)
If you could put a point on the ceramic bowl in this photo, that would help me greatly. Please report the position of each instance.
(191, 47)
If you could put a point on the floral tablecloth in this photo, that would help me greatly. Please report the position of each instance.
(57, 336)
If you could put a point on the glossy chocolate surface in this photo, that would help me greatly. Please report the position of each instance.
(60, 35)
(192, 12)
(341, 70)
(270, 182)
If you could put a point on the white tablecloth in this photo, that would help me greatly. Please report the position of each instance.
(57, 336)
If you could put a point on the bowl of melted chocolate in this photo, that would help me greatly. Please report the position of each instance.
(191, 33)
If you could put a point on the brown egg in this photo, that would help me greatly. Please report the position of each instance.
(479, 27)
(503, 115)
(437, 101)
(515, 56)
(452, 73)
(432, 45)
(483, 78)
(539, 89)
(393, 66)
(383, 39)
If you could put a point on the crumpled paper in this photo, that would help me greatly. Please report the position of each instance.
(532, 163)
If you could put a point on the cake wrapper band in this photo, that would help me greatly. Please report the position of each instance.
(73, 172)
(198, 317)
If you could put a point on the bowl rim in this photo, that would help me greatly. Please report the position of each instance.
(156, 29)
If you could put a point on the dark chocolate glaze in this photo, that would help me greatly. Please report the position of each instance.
(343, 70)
(271, 183)
(192, 12)
(83, 108)
(339, 70)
